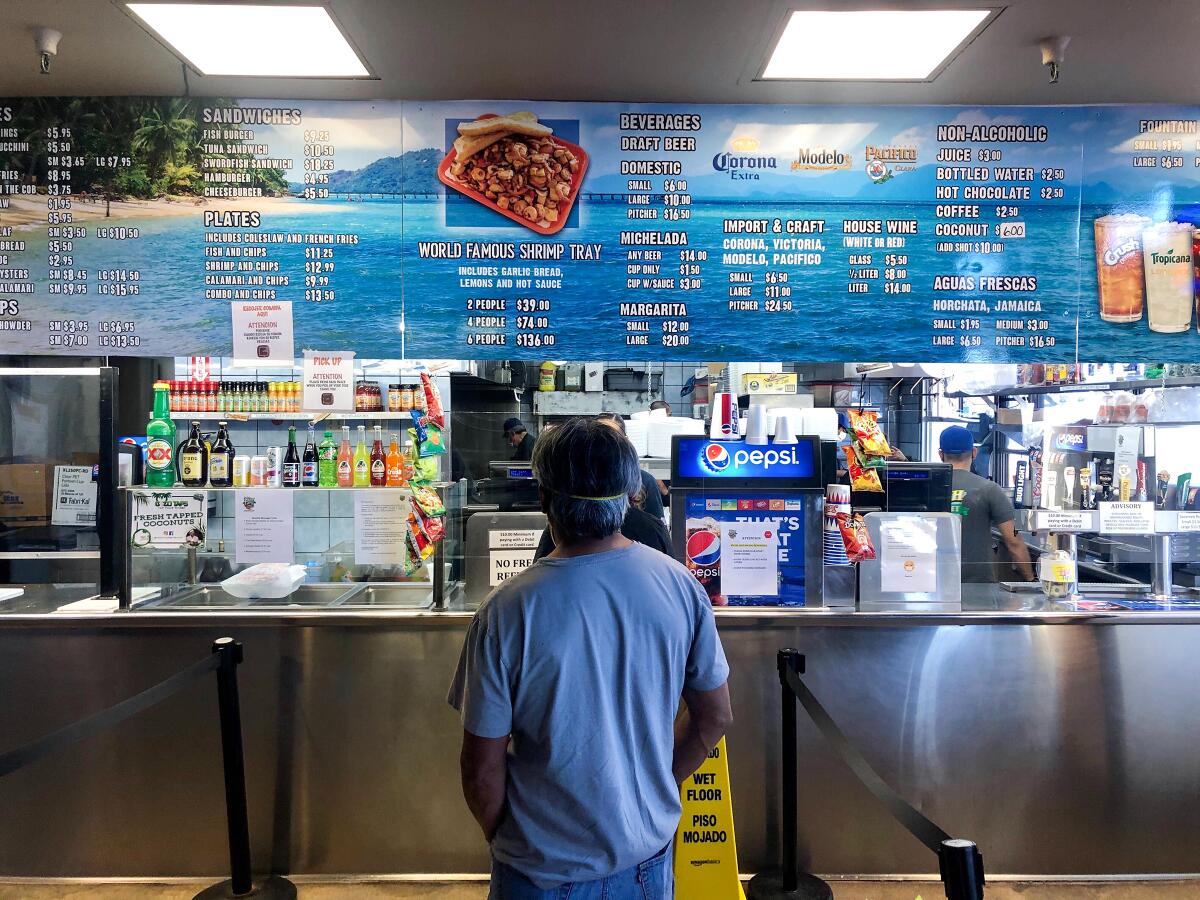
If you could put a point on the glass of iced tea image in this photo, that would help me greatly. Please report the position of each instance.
(1119, 269)
(1167, 259)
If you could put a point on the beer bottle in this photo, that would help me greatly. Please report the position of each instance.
(160, 441)
(309, 469)
(220, 461)
(291, 461)
(191, 459)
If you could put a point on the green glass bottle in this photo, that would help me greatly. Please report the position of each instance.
(160, 441)
(327, 454)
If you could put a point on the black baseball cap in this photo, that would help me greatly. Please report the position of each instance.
(512, 423)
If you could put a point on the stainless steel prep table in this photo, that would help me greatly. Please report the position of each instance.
(1064, 743)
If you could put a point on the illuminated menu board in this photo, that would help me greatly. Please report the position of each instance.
(524, 230)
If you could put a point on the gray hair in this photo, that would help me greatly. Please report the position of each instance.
(587, 471)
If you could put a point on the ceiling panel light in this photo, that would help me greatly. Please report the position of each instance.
(254, 40)
(871, 45)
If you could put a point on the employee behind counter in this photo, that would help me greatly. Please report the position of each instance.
(983, 506)
(520, 438)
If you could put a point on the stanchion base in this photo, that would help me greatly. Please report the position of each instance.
(269, 887)
(769, 886)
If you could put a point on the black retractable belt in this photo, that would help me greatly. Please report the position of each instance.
(959, 861)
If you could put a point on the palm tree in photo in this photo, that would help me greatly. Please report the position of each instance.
(166, 134)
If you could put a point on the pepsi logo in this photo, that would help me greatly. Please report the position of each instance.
(715, 458)
(704, 548)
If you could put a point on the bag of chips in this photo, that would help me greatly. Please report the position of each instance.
(855, 537)
(865, 425)
(429, 501)
(861, 477)
(432, 525)
(431, 444)
(433, 401)
(425, 471)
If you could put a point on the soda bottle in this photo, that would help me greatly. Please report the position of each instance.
(191, 459)
(291, 461)
(362, 460)
(378, 461)
(394, 463)
(309, 467)
(220, 460)
(345, 460)
(327, 454)
(160, 440)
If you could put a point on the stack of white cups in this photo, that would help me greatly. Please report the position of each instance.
(837, 500)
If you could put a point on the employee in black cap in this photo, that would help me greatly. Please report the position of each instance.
(983, 506)
(517, 435)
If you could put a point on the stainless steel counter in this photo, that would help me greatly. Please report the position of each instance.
(1061, 750)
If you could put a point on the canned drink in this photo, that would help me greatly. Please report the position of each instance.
(241, 471)
(274, 473)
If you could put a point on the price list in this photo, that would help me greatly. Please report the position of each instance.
(244, 258)
(16, 285)
(989, 290)
(664, 270)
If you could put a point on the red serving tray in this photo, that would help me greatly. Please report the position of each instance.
(564, 208)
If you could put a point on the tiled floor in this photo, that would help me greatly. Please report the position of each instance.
(844, 890)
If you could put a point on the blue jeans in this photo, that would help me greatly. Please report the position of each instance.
(649, 880)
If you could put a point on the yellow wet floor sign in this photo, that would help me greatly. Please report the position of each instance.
(706, 866)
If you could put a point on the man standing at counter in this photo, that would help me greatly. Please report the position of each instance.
(568, 685)
(983, 506)
(519, 437)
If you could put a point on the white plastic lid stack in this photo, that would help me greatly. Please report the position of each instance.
(821, 421)
(660, 432)
(269, 581)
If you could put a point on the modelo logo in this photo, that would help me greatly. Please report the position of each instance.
(820, 158)
(1075, 441)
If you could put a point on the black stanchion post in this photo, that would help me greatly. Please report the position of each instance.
(241, 882)
(961, 865)
(790, 883)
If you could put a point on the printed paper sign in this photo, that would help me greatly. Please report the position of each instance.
(74, 496)
(262, 333)
(380, 527)
(1187, 521)
(522, 539)
(1126, 518)
(750, 558)
(1056, 520)
(328, 381)
(263, 523)
(168, 520)
(908, 556)
(504, 564)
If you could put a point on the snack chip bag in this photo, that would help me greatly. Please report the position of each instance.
(433, 401)
(432, 525)
(425, 471)
(865, 425)
(428, 501)
(431, 443)
(855, 537)
(861, 478)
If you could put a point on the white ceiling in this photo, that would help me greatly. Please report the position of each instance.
(633, 50)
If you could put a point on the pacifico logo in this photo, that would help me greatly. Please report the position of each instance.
(820, 159)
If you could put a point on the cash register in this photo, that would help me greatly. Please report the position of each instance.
(510, 485)
(908, 487)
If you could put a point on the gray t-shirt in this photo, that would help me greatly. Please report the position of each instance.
(983, 505)
(583, 661)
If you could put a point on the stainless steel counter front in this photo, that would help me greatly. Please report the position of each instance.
(1060, 748)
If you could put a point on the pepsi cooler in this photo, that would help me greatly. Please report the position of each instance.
(777, 489)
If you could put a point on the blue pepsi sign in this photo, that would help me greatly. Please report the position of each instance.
(696, 460)
(1072, 439)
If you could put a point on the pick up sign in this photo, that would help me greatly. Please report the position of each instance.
(328, 381)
